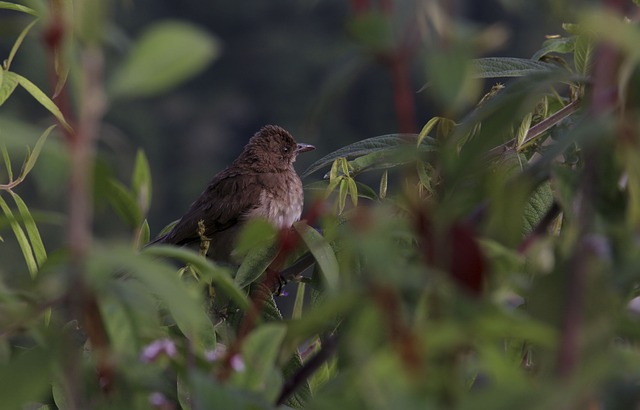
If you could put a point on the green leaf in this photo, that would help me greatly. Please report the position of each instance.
(322, 253)
(424, 133)
(207, 269)
(538, 205)
(25, 378)
(7, 161)
(583, 54)
(523, 130)
(165, 55)
(366, 146)
(383, 184)
(255, 263)
(17, 44)
(260, 352)
(182, 299)
(141, 181)
(499, 67)
(298, 305)
(144, 234)
(33, 157)
(7, 85)
(124, 203)
(257, 232)
(561, 45)
(41, 98)
(365, 191)
(32, 230)
(342, 195)
(17, 7)
(21, 238)
(353, 191)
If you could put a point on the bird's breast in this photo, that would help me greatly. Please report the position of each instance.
(281, 201)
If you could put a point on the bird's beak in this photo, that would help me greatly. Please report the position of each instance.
(304, 148)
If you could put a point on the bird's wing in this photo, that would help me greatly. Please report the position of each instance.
(228, 198)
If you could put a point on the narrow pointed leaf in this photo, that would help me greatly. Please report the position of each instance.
(383, 184)
(32, 230)
(141, 181)
(17, 7)
(124, 203)
(18, 43)
(42, 98)
(322, 252)
(7, 161)
(498, 67)
(33, 157)
(21, 238)
(424, 133)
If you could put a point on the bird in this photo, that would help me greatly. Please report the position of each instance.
(260, 183)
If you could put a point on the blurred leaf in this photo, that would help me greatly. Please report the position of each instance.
(372, 30)
(7, 85)
(453, 76)
(21, 238)
(124, 203)
(25, 378)
(141, 181)
(256, 232)
(260, 351)
(500, 67)
(208, 270)
(323, 254)
(208, 394)
(40, 97)
(255, 263)
(17, 7)
(523, 130)
(365, 191)
(165, 55)
(364, 147)
(33, 157)
(32, 230)
(426, 130)
(561, 45)
(144, 234)
(184, 302)
(17, 44)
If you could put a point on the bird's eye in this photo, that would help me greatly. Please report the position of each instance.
(285, 149)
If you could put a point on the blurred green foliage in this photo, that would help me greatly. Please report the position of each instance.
(488, 261)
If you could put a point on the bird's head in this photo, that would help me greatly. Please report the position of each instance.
(273, 148)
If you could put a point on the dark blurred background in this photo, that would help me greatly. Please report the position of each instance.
(296, 64)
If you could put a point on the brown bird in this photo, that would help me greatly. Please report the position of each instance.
(261, 182)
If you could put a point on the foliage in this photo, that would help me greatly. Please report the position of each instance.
(489, 261)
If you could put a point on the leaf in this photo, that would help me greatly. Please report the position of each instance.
(33, 157)
(143, 236)
(32, 230)
(207, 269)
(499, 67)
(298, 305)
(353, 191)
(7, 85)
(537, 206)
(25, 377)
(583, 54)
(255, 263)
(41, 98)
(17, 44)
(364, 147)
(17, 7)
(260, 352)
(322, 253)
(342, 195)
(124, 203)
(21, 238)
(424, 133)
(7, 160)
(141, 181)
(184, 302)
(383, 184)
(523, 130)
(165, 55)
(561, 45)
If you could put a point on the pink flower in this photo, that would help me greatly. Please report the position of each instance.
(156, 348)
